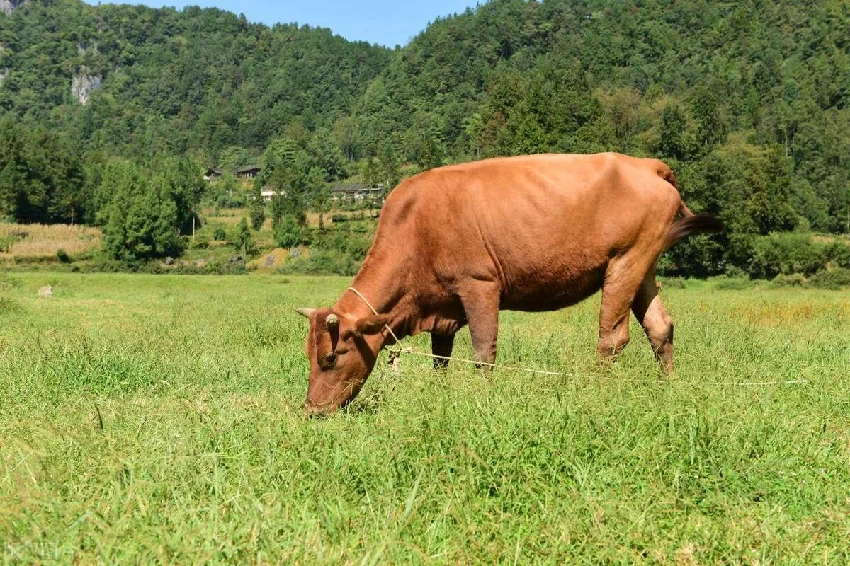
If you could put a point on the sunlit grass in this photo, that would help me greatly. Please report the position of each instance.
(156, 419)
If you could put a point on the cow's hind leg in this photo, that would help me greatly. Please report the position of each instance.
(622, 280)
(655, 320)
(441, 345)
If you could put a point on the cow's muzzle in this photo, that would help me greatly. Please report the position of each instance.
(313, 411)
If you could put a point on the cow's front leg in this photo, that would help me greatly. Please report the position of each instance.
(441, 345)
(481, 304)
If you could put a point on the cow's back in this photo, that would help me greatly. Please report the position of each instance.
(544, 226)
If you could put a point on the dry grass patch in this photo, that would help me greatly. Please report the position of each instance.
(271, 260)
(773, 315)
(227, 216)
(32, 241)
(831, 239)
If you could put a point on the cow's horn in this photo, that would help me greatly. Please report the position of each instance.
(332, 321)
(306, 312)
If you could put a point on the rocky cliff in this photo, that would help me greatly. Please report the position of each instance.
(8, 6)
(83, 83)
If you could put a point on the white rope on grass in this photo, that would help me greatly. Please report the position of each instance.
(395, 356)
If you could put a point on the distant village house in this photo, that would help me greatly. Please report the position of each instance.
(248, 172)
(268, 193)
(212, 174)
(354, 192)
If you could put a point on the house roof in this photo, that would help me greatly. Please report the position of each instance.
(247, 169)
(355, 188)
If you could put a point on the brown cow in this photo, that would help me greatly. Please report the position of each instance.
(535, 233)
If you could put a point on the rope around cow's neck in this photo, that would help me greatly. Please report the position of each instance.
(395, 354)
(371, 308)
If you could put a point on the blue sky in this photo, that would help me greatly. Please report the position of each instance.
(387, 22)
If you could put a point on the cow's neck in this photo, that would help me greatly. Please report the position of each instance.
(382, 284)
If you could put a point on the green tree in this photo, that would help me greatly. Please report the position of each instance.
(233, 157)
(288, 233)
(388, 165)
(257, 211)
(507, 77)
(672, 139)
(348, 138)
(42, 178)
(708, 113)
(278, 209)
(370, 172)
(141, 219)
(243, 240)
(321, 204)
(226, 192)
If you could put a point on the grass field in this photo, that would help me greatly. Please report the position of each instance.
(156, 419)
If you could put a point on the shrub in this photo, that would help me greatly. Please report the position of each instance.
(792, 280)
(351, 242)
(243, 240)
(8, 282)
(735, 272)
(257, 211)
(836, 278)
(288, 233)
(673, 282)
(730, 284)
(235, 200)
(8, 305)
(212, 268)
(6, 244)
(63, 256)
(201, 242)
(322, 262)
(219, 235)
(791, 252)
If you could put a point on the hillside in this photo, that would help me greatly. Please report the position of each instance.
(123, 78)
(748, 101)
(670, 79)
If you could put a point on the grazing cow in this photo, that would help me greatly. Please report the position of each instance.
(535, 233)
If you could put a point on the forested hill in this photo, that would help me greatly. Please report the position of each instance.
(194, 81)
(688, 81)
(749, 101)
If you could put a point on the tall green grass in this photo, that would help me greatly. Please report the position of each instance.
(156, 419)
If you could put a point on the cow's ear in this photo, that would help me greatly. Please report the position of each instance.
(371, 324)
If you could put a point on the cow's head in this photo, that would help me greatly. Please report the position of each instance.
(342, 350)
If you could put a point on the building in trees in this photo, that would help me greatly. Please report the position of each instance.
(248, 172)
(356, 192)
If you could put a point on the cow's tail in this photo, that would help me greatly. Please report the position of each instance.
(688, 222)
(691, 223)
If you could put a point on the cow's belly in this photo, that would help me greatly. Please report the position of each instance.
(547, 290)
